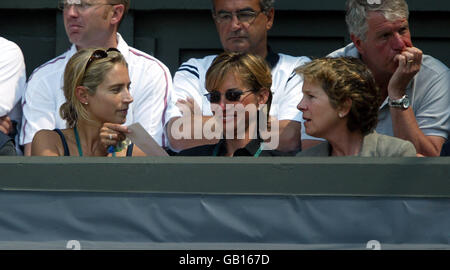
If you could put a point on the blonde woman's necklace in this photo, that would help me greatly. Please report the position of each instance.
(77, 138)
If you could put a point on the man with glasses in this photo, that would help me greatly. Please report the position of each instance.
(89, 24)
(242, 26)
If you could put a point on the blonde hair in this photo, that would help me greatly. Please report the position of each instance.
(251, 69)
(76, 74)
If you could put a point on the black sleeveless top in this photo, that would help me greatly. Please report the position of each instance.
(66, 147)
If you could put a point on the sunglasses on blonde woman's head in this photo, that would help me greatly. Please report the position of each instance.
(232, 95)
(99, 54)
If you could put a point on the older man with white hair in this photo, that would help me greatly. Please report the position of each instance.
(415, 86)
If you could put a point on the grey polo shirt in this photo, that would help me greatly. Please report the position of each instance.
(429, 93)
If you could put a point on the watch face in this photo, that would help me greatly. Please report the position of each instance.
(405, 104)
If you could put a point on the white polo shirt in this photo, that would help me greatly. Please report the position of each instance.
(151, 83)
(12, 81)
(189, 81)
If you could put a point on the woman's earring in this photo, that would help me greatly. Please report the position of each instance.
(86, 103)
(341, 115)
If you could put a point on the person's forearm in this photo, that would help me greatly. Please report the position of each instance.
(405, 127)
(27, 150)
(193, 138)
(183, 144)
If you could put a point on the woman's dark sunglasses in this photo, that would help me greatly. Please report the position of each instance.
(99, 54)
(231, 95)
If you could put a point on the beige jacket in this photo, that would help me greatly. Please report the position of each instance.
(374, 145)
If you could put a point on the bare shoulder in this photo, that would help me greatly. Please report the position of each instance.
(45, 136)
(46, 143)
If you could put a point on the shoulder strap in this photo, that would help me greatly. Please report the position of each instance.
(64, 142)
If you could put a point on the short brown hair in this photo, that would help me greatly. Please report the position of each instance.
(126, 4)
(346, 78)
(251, 69)
(265, 5)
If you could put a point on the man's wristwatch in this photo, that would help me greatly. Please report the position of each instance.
(399, 103)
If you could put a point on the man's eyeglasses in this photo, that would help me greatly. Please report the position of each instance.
(79, 5)
(243, 16)
(231, 95)
(99, 54)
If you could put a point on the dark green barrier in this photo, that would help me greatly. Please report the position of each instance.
(411, 177)
(225, 203)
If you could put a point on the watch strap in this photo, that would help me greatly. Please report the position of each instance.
(402, 103)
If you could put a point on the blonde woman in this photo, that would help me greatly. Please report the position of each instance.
(96, 88)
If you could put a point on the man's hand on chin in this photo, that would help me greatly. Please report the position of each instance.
(409, 63)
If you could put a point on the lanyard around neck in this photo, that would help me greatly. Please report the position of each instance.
(77, 138)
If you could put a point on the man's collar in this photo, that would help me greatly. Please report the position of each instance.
(122, 46)
(272, 58)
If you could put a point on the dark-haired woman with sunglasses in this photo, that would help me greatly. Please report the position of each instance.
(96, 88)
(239, 92)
